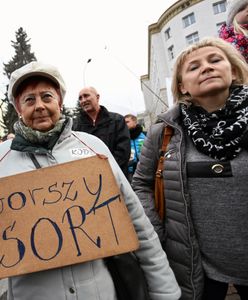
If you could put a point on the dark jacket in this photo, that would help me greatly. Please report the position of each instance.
(179, 238)
(111, 128)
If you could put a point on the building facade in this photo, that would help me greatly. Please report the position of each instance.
(185, 22)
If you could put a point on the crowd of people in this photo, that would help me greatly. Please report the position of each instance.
(44, 137)
(200, 246)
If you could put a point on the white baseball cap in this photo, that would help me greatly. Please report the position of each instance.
(34, 68)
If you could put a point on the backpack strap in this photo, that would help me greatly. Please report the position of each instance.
(159, 198)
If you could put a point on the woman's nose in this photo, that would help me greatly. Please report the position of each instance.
(207, 67)
(39, 104)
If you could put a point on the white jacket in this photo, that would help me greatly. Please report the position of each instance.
(89, 280)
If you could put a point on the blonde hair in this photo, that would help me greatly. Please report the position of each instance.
(239, 28)
(236, 60)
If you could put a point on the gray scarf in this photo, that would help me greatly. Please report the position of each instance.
(35, 136)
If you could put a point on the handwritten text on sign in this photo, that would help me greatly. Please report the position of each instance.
(62, 215)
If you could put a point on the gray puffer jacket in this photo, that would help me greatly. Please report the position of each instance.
(89, 280)
(177, 234)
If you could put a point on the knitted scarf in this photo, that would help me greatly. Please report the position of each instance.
(223, 133)
(38, 137)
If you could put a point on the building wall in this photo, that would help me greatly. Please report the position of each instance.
(161, 60)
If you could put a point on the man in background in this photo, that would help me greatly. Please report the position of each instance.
(110, 127)
(137, 139)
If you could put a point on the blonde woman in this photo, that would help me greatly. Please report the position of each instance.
(235, 31)
(205, 231)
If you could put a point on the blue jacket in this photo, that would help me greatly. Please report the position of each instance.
(136, 142)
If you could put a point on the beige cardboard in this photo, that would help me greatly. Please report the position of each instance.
(62, 215)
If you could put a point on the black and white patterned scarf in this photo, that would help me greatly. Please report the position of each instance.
(223, 133)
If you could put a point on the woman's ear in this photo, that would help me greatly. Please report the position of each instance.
(182, 89)
(17, 105)
(60, 102)
(234, 73)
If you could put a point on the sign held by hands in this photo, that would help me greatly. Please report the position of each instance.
(62, 215)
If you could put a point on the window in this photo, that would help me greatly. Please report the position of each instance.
(171, 52)
(188, 20)
(192, 38)
(219, 7)
(167, 34)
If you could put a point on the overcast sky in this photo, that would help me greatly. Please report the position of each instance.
(112, 33)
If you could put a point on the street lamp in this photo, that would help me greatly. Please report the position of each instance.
(85, 66)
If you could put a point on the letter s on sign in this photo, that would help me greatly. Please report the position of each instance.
(20, 247)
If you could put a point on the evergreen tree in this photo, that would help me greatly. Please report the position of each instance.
(22, 56)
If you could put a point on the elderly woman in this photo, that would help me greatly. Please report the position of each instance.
(43, 137)
(205, 231)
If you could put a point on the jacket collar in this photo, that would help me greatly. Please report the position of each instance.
(103, 114)
(135, 132)
(171, 116)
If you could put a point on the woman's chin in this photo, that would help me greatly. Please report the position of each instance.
(43, 127)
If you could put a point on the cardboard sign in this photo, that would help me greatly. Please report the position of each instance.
(62, 215)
